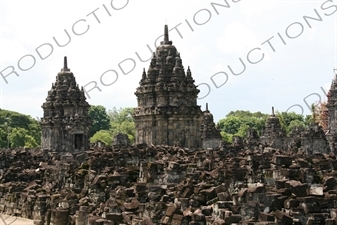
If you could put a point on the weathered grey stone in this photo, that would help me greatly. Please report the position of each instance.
(167, 112)
(65, 123)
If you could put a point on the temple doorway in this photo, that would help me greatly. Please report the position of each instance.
(78, 141)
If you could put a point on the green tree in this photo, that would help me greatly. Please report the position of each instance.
(295, 123)
(35, 131)
(17, 137)
(121, 115)
(3, 137)
(122, 122)
(230, 124)
(10, 120)
(238, 122)
(128, 127)
(103, 136)
(291, 116)
(243, 113)
(242, 132)
(30, 142)
(290, 120)
(100, 119)
(226, 137)
(308, 120)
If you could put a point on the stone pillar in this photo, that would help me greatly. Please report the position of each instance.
(40, 210)
(82, 216)
(59, 217)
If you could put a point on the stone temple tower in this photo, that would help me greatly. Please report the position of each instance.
(332, 114)
(273, 134)
(210, 135)
(167, 111)
(65, 124)
(332, 108)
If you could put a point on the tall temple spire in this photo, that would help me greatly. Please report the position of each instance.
(166, 37)
(65, 64)
(144, 74)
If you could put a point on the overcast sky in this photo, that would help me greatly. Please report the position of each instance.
(281, 51)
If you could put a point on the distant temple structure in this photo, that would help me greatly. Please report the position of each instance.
(273, 132)
(332, 107)
(311, 140)
(167, 111)
(65, 124)
(332, 113)
(210, 135)
(168, 114)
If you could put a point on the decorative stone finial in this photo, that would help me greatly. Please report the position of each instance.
(189, 74)
(144, 74)
(65, 64)
(206, 106)
(166, 37)
(272, 111)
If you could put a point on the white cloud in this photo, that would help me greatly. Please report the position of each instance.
(237, 39)
(12, 50)
(209, 49)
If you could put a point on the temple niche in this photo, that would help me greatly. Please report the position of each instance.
(167, 112)
(65, 124)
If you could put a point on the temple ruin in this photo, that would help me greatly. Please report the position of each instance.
(178, 172)
(332, 114)
(311, 140)
(65, 124)
(167, 112)
(210, 135)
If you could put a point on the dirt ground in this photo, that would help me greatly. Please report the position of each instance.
(8, 220)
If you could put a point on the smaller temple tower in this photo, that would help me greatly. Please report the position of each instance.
(273, 134)
(331, 106)
(65, 124)
(210, 135)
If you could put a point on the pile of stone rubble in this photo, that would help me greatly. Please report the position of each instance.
(169, 185)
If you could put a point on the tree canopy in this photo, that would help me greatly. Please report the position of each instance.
(18, 130)
(290, 120)
(103, 136)
(122, 121)
(99, 118)
(238, 122)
